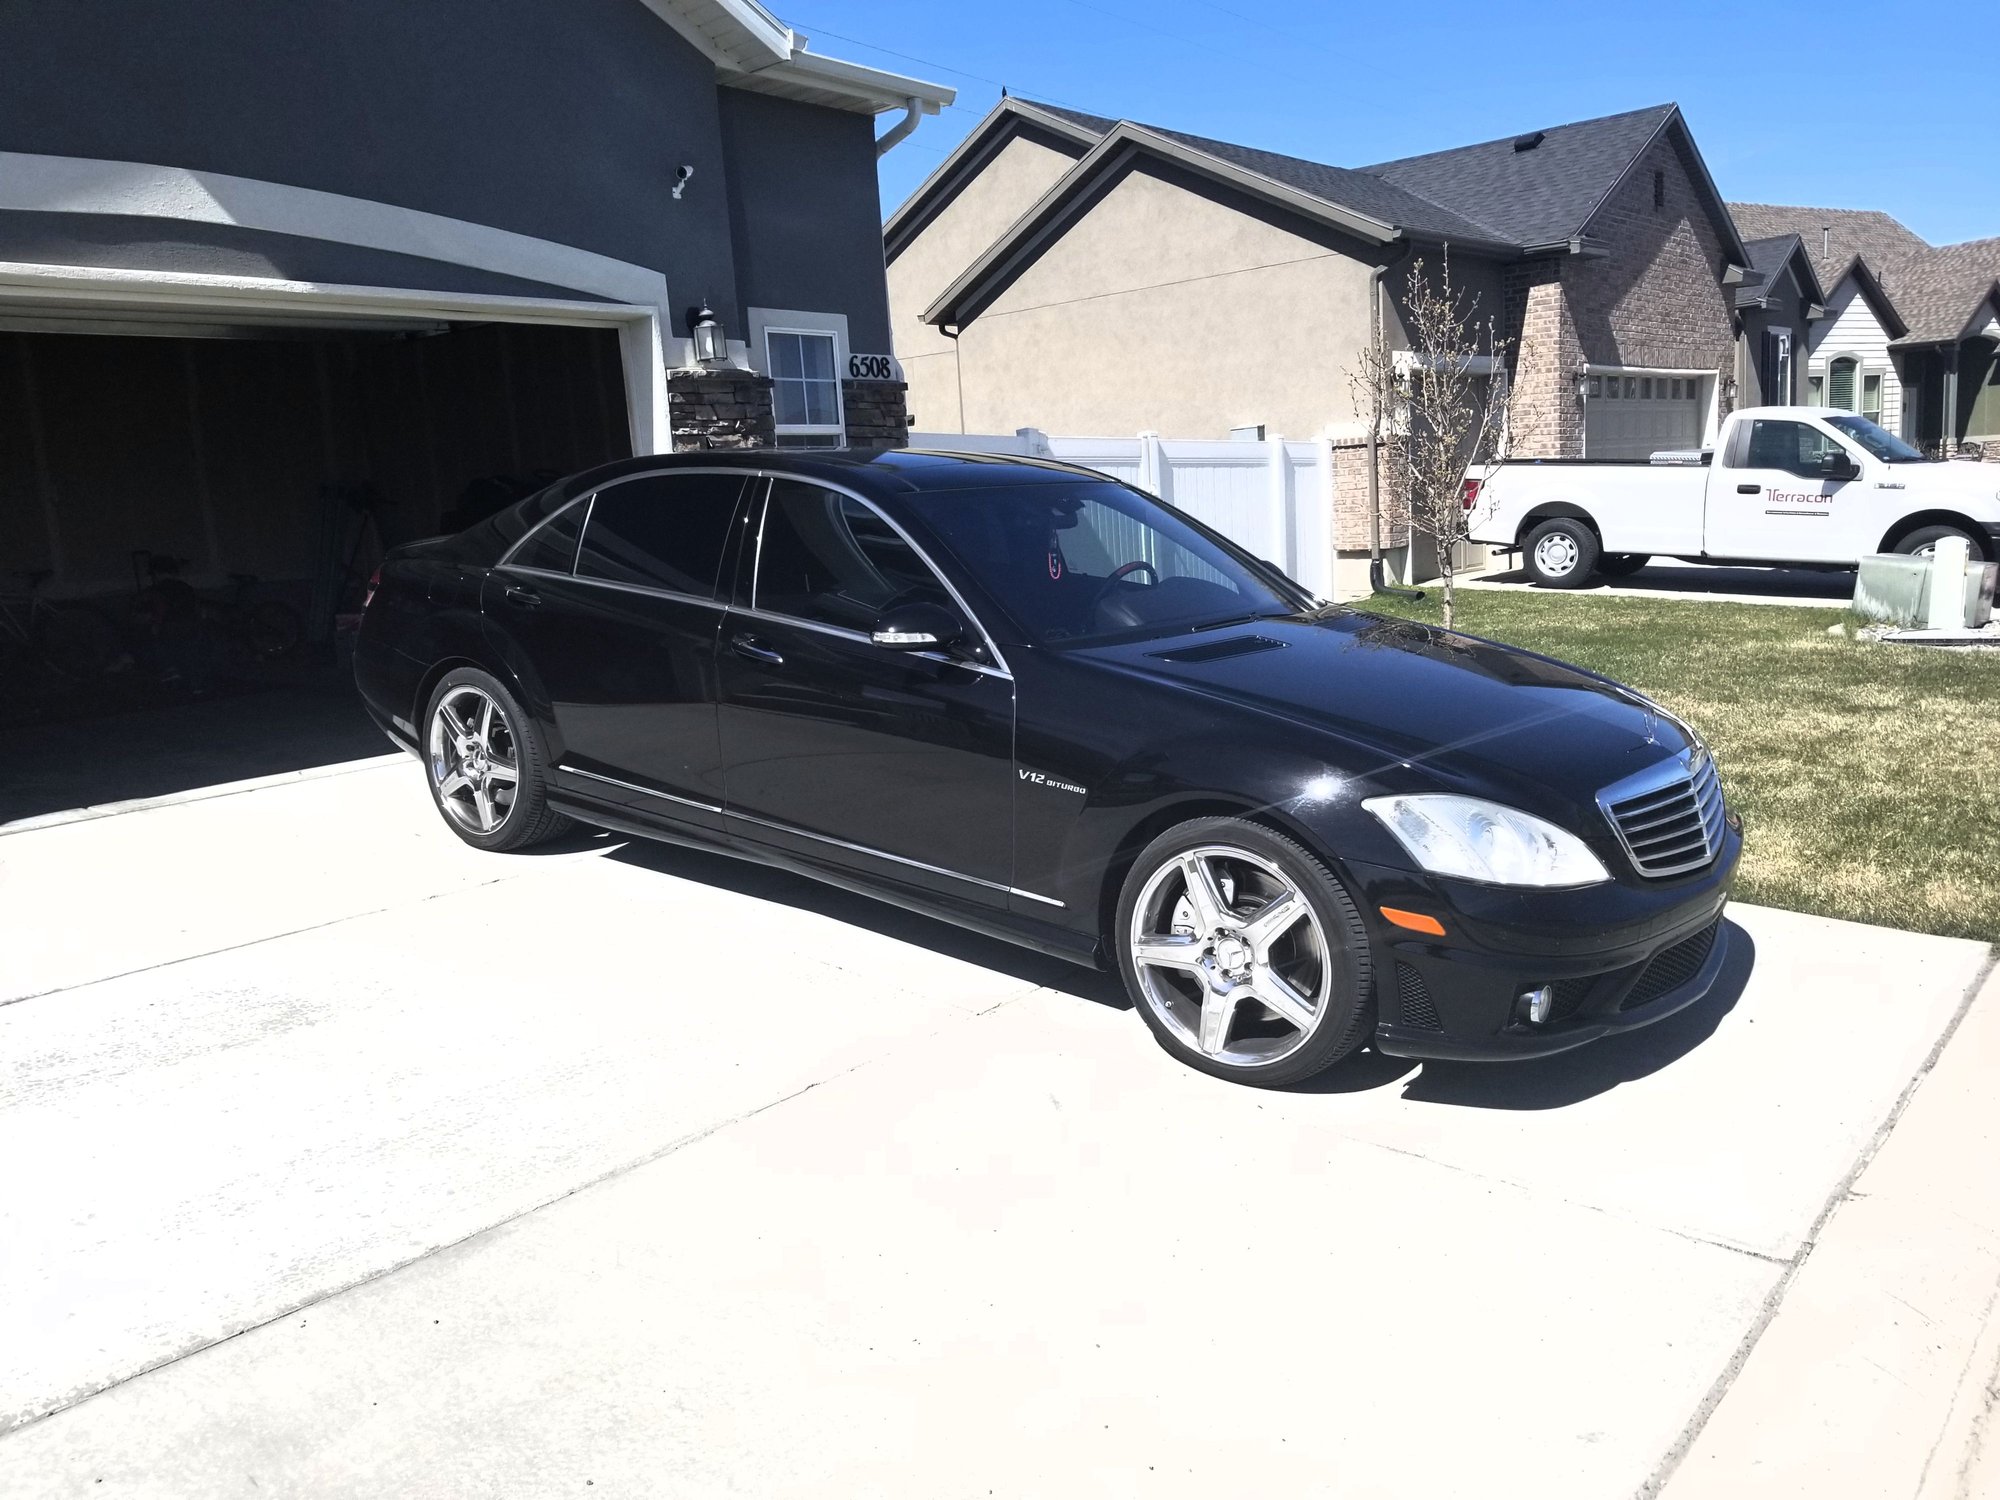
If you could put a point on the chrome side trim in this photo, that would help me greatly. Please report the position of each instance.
(644, 791)
(991, 885)
(915, 864)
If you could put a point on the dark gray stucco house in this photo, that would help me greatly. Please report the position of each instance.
(1777, 302)
(258, 258)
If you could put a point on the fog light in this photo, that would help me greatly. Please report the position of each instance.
(1535, 1006)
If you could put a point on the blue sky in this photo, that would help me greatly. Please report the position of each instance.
(1351, 84)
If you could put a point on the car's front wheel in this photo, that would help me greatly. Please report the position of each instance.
(1244, 954)
(485, 763)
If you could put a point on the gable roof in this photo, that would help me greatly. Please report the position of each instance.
(1768, 260)
(1945, 293)
(1541, 195)
(1497, 196)
(1833, 237)
(1008, 118)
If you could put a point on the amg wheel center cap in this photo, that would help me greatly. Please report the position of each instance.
(1232, 955)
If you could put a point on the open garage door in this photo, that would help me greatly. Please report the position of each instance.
(185, 508)
(1635, 416)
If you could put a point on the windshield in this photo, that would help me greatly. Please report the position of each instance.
(1884, 445)
(1096, 561)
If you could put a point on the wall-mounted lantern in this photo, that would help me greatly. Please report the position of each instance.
(710, 345)
(1582, 379)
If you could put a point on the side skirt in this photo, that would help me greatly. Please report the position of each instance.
(1026, 932)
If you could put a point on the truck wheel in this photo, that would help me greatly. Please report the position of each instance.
(1622, 564)
(1561, 553)
(1923, 542)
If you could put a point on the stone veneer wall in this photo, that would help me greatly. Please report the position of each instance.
(877, 413)
(719, 408)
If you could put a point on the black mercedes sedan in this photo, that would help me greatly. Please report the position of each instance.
(1026, 698)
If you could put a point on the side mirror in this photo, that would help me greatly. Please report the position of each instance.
(918, 627)
(1838, 466)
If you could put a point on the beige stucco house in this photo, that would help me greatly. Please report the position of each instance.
(1086, 275)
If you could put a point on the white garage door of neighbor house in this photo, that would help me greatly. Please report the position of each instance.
(1635, 416)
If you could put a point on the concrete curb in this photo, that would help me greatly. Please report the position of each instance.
(196, 794)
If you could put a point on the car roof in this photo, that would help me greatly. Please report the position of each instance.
(888, 471)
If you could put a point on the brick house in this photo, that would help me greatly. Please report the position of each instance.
(1081, 274)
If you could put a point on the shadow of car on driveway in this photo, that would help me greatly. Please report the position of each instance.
(1541, 1083)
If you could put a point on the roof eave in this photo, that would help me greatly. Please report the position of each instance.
(839, 84)
(901, 226)
(1005, 252)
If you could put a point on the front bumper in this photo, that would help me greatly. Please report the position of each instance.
(1619, 956)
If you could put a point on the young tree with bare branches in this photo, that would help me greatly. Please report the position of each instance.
(1433, 408)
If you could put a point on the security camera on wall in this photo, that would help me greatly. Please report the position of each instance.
(681, 176)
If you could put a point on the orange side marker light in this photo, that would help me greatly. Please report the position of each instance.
(1416, 921)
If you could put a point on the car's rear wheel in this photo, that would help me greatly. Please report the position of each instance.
(486, 765)
(1561, 553)
(1243, 954)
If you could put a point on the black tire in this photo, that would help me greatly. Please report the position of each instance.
(1558, 537)
(527, 818)
(1345, 1018)
(1622, 564)
(77, 641)
(1926, 537)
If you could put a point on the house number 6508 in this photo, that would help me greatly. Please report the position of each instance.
(870, 367)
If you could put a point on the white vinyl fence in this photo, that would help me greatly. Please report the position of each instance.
(1271, 497)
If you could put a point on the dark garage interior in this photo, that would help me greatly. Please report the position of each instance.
(185, 520)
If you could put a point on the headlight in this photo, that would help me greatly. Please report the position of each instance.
(1479, 840)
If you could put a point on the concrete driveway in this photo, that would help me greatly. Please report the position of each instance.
(337, 1159)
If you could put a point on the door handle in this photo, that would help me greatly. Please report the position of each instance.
(522, 598)
(756, 650)
(1749, 489)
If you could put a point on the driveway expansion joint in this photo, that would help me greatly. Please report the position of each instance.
(1842, 1191)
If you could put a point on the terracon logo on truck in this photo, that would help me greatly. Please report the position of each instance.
(1799, 497)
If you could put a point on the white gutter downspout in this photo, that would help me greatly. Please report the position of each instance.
(899, 132)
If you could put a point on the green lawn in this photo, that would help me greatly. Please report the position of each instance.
(1868, 776)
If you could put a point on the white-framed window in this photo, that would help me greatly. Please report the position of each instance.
(804, 353)
(1871, 396)
(1843, 379)
(805, 387)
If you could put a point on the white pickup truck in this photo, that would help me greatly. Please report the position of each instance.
(1786, 484)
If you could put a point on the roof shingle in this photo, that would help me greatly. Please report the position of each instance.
(1488, 191)
(1833, 236)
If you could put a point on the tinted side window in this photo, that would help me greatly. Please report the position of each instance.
(827, 557)
(1791, 446)
(553, 548)
(664, 531)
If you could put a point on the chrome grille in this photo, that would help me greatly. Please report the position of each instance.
(1668, 817)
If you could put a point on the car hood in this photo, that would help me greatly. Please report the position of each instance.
(1976, 486)
(1420, 705)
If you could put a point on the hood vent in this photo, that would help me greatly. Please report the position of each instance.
(1235, 645)
(1530, 141)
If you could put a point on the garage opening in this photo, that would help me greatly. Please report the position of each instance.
(186, 511)
(1627, 415)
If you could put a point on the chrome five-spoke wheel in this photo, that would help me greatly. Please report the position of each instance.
(474, 759)
(1230, 956)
